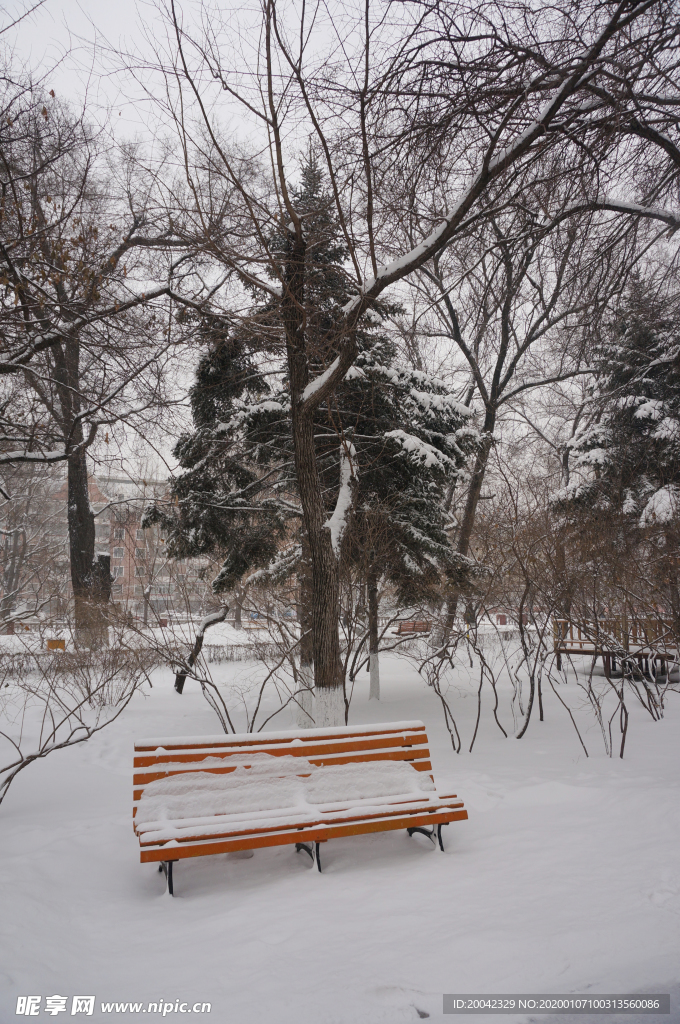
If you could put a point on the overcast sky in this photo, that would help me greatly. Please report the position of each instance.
(72, 39)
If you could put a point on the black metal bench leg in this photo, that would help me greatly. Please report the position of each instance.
(166, 867)
(312, 850)
(439, 835)
(424, 831)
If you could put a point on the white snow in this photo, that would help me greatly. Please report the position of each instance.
(291, 787)
(403, 262)
(305, 699)
(354, 373)
(668, 429)
(441, 403)
(420, 451)
(337, 523)
(24, 455)
(662, 507)
(319, 381)
(329, 707)
(211, 620)
(565, 878)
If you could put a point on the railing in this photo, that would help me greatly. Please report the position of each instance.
(607, 635)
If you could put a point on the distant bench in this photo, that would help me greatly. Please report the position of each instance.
(414, 627)
(201, 795)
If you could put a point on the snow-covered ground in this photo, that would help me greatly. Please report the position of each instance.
(565, 879)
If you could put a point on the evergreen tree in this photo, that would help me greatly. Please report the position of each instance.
(389, 440)
(627, 461)
(633, 448)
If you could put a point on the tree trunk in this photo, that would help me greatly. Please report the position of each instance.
(15, 556)
(210, 620)
(671, 570)
(468, 522)
(325, 582)
(238, 607)
(373, 657)
(329, 701)
(90, 620)
(306, 711)
(91, 590)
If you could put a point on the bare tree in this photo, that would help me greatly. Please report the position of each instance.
(448, 104)
(520, 306)
(30, 552)
(84, 338)
(53, 701)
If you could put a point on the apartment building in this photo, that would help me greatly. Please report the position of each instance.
(145, 582)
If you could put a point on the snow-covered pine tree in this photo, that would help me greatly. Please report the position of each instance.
(626, 462)
(411, 440)
(388, 440)
(230, 497)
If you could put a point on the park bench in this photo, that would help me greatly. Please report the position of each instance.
(197, 796)
(414, 627)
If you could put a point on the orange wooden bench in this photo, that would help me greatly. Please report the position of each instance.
(414, 627)
(197, 796)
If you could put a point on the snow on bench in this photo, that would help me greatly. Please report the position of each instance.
(200, 795)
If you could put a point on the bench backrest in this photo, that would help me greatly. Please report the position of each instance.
(393, 741)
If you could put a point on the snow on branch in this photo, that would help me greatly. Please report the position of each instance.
(24, 456)
(611, 205)
(420, 451)
(279, 569)
(576, 76)
(403, 264)
(337, 523)
(662, 507)
(319, 381)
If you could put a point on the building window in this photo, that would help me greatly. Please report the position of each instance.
(117, 588)
(140, 570)
(117, 571)
(119, 534)
(140, 553)
(118, 552)
(140, 534)
(139, 590)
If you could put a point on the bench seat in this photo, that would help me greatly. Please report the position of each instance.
(197, 796)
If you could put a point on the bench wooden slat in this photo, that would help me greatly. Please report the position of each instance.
(301, 835)
(140, 781)
(270, 738)
(419, 766)
(323, 821)
(419, 757)
(311, 749)
(288, 827)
